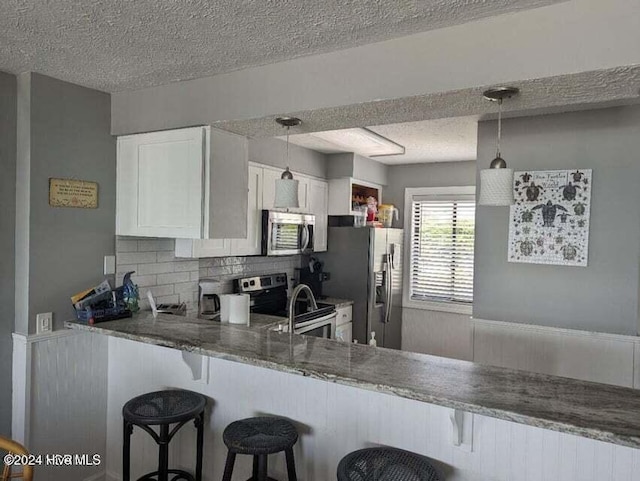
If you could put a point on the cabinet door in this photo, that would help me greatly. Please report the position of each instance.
(344, 333)
(252, 244)
(319, 206)
(198, 248)
(269, 177)
(269, 190)
(304, 185)
(160, 184)
(344, 315)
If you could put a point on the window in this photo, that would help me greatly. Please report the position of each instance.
(440, 245)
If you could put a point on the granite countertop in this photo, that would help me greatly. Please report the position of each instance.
(598, 411)
(337, 302)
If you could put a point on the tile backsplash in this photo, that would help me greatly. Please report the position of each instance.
(175, 280)
(225, 269)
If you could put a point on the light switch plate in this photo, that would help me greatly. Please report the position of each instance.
(44, 322)
(109, 265)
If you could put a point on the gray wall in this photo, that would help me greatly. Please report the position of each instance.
(602, 296)
(273, 152)
(69, 138)
(8, 105)
(350, 164)
(437, 174)
(369, 170)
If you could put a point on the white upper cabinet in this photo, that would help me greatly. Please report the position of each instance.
(271, 174)
(269, 177)
(319, 206)
(252, 244)
(346, 192)
(175, 184)
(160, 183)
(260, 194)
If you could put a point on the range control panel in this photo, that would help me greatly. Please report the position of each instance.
(260, 283)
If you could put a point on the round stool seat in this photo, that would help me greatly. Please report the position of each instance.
(261, 435)
(385, 464)
(164, 407)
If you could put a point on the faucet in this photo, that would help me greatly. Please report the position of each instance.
(294, 297)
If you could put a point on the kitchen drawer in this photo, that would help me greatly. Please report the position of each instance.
(344, 315)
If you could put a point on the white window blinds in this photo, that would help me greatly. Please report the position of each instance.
(442, 236)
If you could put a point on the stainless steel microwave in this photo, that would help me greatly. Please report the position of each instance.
(285, 233)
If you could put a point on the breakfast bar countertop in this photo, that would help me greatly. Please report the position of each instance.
(598, 411)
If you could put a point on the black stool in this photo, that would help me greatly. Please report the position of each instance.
(389, 464)
(260, 437)
(163, 408)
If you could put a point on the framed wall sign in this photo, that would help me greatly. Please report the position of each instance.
(81, 194)
(549, 222)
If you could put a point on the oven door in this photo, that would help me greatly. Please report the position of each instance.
(324, 327)
(286, 234)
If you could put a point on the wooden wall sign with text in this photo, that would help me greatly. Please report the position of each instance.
(73, 193)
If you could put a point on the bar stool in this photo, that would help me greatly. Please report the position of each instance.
(260, 437)
(389, 464)
(162, 409)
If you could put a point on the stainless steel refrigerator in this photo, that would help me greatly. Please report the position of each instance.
(365, 264)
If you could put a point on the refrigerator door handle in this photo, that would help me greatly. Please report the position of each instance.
(389, 289)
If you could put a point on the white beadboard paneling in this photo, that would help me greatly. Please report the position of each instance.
(437, 333)
(334, 420)
(66, 372)
(582, 355)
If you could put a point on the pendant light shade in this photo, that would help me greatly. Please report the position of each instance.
(286, 191)
(496, 182)
(496, 187)
(286, 185)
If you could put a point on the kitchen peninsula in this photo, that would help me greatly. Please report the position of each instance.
(263, 376)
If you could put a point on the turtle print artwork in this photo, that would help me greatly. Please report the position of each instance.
(549, 221)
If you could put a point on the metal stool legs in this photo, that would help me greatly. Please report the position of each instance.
(260, 466)
(291, 465)
(163, 438)
(126, 452)
(228, 467)
(199, 422)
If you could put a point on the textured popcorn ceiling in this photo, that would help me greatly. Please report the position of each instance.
(115, 45)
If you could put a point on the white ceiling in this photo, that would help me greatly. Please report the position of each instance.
(116, 45)
(437, 140)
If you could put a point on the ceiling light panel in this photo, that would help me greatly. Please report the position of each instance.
(361, 141)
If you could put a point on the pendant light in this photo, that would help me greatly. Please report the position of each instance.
(286, 185)
(496, 182)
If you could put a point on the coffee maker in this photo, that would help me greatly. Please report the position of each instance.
(209, 301)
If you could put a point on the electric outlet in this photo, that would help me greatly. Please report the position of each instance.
(44, 322)
(109, 265)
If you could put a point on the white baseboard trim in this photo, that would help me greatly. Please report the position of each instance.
(558, 330)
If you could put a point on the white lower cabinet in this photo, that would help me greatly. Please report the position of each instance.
(344, 333)
(313, 198)
(344, 315)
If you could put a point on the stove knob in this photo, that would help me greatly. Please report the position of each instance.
(253, 283)
(245, 284)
